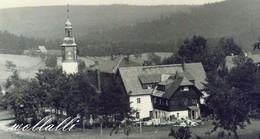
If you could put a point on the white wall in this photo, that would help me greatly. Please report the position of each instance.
(182, 114)
(144, 107)
(70, 67)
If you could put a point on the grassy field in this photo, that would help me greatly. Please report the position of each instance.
(27, 66)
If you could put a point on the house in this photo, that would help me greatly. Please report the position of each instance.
(42, 49)
(164, 91)
(111, 65)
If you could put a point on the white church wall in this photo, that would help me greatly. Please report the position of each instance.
(70, 67)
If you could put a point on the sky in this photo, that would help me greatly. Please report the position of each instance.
(29, 3)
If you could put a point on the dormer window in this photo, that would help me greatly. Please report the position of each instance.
(161, 88)
(185, 88)
(145, 86)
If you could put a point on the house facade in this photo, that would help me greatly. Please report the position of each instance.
(165, 91)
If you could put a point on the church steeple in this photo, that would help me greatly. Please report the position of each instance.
(69, 49)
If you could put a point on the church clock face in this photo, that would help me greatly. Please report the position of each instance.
(69, 53)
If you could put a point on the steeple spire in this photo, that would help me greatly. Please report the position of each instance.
(68, 11)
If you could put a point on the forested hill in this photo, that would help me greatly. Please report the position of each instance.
(236, 18)
(13, 44)
(48, 22)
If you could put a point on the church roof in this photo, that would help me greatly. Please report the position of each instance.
(68, 24)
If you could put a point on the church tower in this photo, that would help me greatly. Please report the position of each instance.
(69, 50)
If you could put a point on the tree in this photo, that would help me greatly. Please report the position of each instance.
(23, 98)
(9, 64)
(230, 97)
(257, 44)
(180, 133)
(114, 101)
(229, 47)
(51, 61)
(155, 59)
(81, 97)
(82, 65)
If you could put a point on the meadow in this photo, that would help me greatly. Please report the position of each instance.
(27, 66)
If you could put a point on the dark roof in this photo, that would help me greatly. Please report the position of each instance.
(155, 78)
(111, 66)
(132, 84)
(180, 81)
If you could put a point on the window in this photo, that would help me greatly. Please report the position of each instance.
(154, 100)
(185, 88)
(167, 103)
(137, 115)
(185, 101)
(160, 101)
(161, 88)
(145, 86)
(138, 100)
(194, 101)
(151, 114)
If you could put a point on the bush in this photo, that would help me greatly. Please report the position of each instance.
(180, 133)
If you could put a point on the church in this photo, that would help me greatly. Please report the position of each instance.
(69, 50)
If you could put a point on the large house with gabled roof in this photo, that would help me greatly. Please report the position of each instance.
(165, 91)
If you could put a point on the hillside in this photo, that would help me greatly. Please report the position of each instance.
(236, 18)
(48, 22)
(27, 66)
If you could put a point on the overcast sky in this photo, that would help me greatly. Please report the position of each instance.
(26, 3)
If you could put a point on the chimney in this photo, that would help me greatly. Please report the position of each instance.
(176, 74)
(98, 80)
